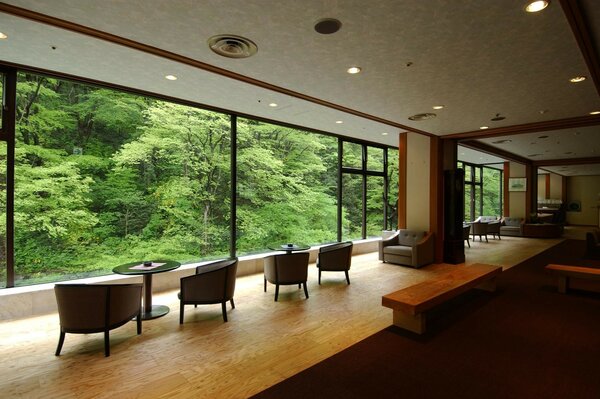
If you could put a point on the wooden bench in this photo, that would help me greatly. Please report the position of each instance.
(565, 272)
(411, 304)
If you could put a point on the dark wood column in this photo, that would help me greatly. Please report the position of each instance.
(436, 196)
(506, 197)
(402, 153)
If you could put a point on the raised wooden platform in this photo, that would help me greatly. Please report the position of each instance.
(565, 272)
(411, 304)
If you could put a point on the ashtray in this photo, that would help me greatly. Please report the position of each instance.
(147, 263)
(290, 245)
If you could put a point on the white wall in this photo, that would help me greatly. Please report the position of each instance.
(555, 186)
(517, 200)
(417, 181)
(541, 188)
(585, 189)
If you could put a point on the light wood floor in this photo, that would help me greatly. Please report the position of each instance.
(263, 343)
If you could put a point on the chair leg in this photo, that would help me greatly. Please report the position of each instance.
(468, 243)
(139, 322)
(486, 240)
(224, 310)
(180, 312)
(319, 276)
(305, 290)
(276, 291)
(347, 277)
(61, 341)
(232, 304)
(299, 286)
(265, 290)
(106, 344)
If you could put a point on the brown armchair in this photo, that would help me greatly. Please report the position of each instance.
(479, 229)
(91, 308)
(287, 269)
(408, 247)
(335, 258)
(212, 283)
(467, 233)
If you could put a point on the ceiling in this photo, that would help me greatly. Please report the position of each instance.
(478, 59)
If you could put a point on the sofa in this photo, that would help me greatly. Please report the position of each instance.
(408, 248)
(512, 226)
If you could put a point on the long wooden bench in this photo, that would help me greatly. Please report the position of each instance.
(411, 304)
(566, 272)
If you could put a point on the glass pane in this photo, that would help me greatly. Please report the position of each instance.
(2, 214)
(352, 155)
(351, 207)
(468, 173)
(287, 188)
(375, 222)
(492, 195)
(375, 159)
(468, 203)
(477, 174)
(392, 212)
(477, 201)
(104, 178)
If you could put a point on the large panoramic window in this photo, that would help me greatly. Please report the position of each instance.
(483, 191)
(104, 178)
(392, 178)
(492, 191)
(3, 164)
(2, 99)
(286, 186)
(364, 180)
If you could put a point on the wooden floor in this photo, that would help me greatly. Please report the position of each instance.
(263, 343)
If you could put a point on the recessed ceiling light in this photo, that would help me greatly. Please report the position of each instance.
(497, 118)
(232, 46)
(384, 133)
(422, 117)
(501, 141)
(3, 36)
(534, 155)
(536, 6)
(595, 113)
(339, 122)
(171, 77)
(568, 152)
(354, 70)
(327, 26)
(577, 79)
(272, 104)
(542, 137)
(484, 127)
(438, 107)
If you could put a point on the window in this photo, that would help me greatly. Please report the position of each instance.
(286, 189)
(393, 189)
(104, 178)
(3, 100)
(483, 191)
(3, 164)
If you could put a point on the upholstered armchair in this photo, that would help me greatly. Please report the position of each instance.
(213, 283)
(286, 269)
(408, 247)
(92, 308)
(492, 225)
(335, 258)
(479, 229)
(467, 233)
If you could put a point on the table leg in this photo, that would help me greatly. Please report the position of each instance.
(151, 311)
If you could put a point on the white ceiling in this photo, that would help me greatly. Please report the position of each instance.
(476, 58)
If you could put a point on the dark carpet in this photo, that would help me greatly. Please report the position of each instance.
(523, 341)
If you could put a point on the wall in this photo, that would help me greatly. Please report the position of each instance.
(555, 186)
(585, 189)
(417, 181)
(541, 189)
(517, 199)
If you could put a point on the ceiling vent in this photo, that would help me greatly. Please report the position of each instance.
(422, 117)
(232, 46)
(498, 118)
(327, 26)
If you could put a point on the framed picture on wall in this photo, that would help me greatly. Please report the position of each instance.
(517, 184)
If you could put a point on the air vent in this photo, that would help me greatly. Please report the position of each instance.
(502, 141)
(232, 46)
(422, 117)
(498, 118)
(327, 26)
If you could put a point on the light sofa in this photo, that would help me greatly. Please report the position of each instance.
(408, 247)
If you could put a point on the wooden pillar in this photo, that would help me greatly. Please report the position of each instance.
(436, 197)
(505, 195)
(547, 195)
(402, 166)
(531, 191)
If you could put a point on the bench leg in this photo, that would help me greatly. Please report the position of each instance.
(488, 285)
(563, 284)
(409, 322)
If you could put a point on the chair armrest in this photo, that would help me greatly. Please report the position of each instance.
(393, 240)
(425, 250)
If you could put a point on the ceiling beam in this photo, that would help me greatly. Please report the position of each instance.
(579, 26)
(558, 124)
(488, 149)
(570, 161)
(122, 41)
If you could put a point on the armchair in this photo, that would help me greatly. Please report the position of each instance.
(286, 269)
(479, 229)
(335, 258)
(212, 283)
(91, 308)
(467, 233)
(511, 226)
(408, 247)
